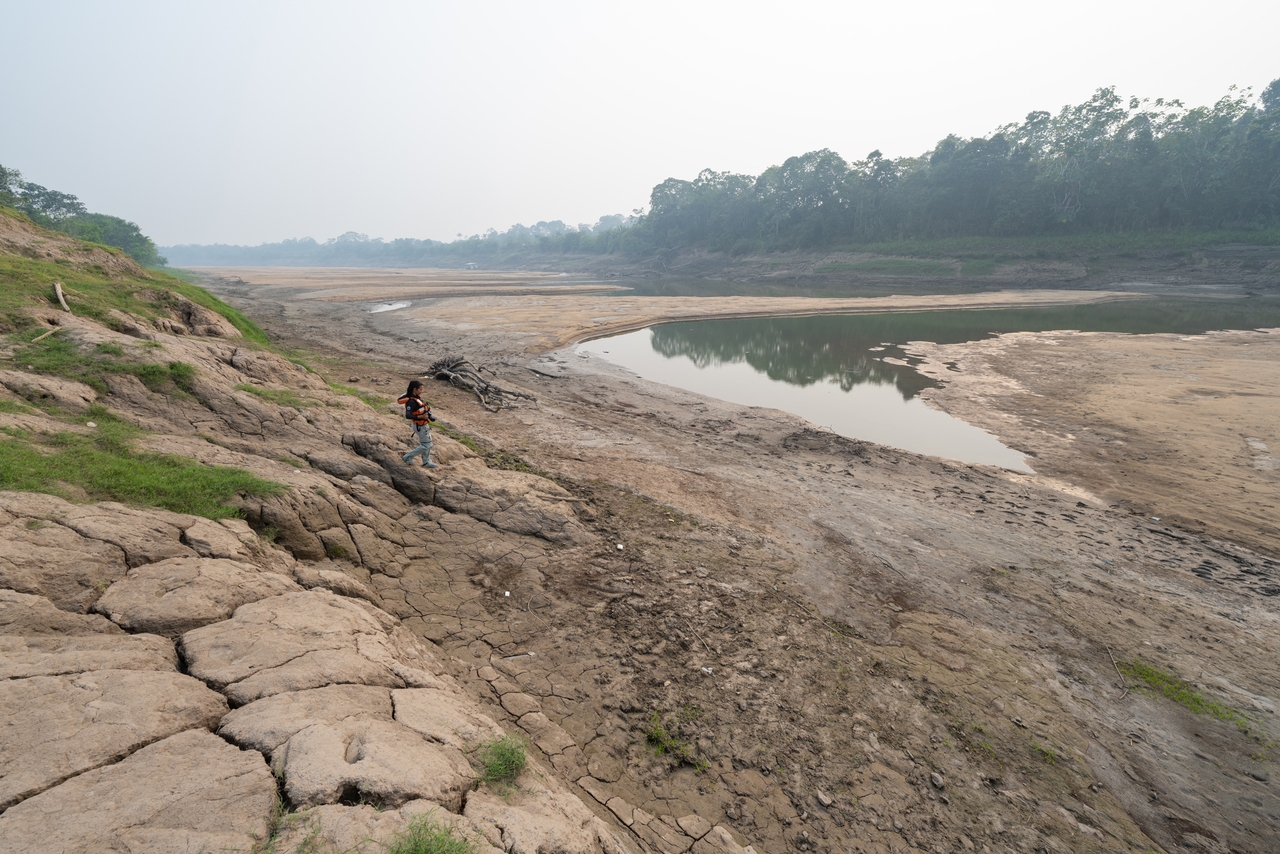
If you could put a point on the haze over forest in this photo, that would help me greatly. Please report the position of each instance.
(398, 119)
(1106, 166)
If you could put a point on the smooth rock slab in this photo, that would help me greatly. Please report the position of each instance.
(518, 502)
(23, 657)
(366, 830)
(444, 716)
(536, 820)
(175, 596)
(53, 727)
(379, 761)
(268, 723)
(306, 640)
(719, 841)
(27, 614)
(211, 539)
(547, 735)
(380, 497)
(44, 558)
(145, 536)
(335, 581)
(191, 792)
(345, 465)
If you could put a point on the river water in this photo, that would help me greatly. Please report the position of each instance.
(855, 374)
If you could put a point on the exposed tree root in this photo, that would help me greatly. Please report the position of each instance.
(460, 373)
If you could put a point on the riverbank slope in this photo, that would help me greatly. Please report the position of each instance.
(857, 647)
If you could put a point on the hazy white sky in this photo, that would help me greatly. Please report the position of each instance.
(245, 122)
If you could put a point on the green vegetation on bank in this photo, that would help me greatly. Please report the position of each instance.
(92, 367)
(65, 455)
(100, 461)
(1063, 247)
(92, 291)
(1108, 175)
(64, 212)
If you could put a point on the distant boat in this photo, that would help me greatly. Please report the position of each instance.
(471, 265)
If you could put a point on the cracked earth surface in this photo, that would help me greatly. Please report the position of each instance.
(847, 647)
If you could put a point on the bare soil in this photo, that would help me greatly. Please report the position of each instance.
(852, 648)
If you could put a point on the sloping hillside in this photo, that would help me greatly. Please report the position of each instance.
(198, 543)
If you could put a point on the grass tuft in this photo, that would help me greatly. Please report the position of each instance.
(280, 397)
(426, 835)
(1048, 754)
(668, 742)
(368, 397)
(1181, 692)
(502, 759)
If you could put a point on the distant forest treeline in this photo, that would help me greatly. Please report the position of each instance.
(64, 212)
(1106, 166)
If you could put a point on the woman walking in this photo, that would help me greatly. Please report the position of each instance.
(419, 414)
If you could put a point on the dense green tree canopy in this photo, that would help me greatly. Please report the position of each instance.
(64, 212)
(1106, 166)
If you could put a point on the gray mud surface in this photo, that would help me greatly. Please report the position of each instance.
(838, 646)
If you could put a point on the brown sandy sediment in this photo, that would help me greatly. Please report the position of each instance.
(1171, 426)
(829, 624)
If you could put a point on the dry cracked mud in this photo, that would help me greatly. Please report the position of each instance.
(843, 646)
(716, 626)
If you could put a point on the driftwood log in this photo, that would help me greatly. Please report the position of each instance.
(459, 372)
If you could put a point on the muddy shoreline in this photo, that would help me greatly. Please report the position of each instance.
(849, 620)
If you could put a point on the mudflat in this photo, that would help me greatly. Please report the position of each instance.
(852, 647)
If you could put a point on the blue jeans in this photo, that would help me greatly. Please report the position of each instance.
(423, 435)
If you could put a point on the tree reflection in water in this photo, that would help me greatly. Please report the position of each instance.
(850, 349)
(799, 351)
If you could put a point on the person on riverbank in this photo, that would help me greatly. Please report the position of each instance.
(419, 414)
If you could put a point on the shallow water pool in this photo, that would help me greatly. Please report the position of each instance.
(854, 374)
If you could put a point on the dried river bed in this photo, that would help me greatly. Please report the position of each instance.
(872, 617)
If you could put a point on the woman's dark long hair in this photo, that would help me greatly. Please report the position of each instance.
(414, 385)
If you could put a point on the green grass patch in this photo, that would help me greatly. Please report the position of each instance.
(367, 396)
(280, 397)
(890, 267)
(978, 267)
(104, 465)
(666, 740)
(1181, 692)
(93, 291)
(1048, 754)
(13, 407)
(426, 835)
(93, 367)
(502, 759)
